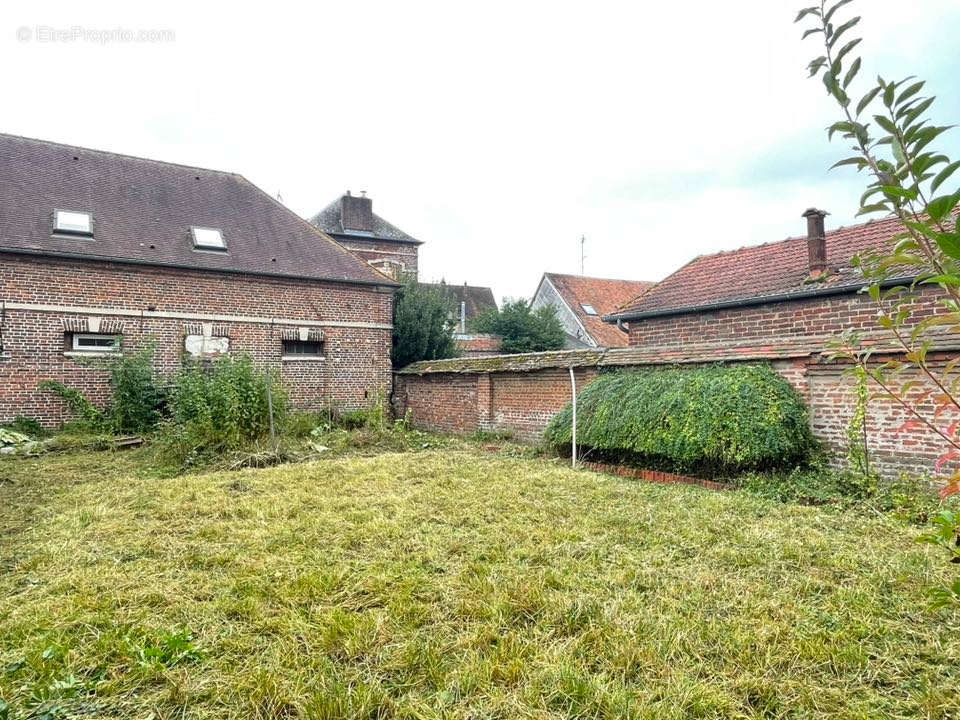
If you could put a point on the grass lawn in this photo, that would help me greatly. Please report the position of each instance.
(453, 583)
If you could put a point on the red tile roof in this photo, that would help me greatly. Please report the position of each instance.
(763, 272)
(605, 296)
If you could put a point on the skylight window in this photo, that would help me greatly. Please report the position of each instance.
(208, 238)
(588, 309)
(74, 223)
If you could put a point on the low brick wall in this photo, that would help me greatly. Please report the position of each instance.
(520, 394)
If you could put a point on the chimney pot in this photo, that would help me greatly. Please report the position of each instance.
(816, 240)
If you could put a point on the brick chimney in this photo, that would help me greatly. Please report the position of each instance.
(816, 240)
(356, 213)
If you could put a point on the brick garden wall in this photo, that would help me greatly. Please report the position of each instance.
(792, 335)
(355, 321)
(522, 404)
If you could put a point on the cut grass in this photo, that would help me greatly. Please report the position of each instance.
(453, 584)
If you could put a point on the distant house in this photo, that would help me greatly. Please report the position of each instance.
(469, 301)
(350, 221)
(581, 303)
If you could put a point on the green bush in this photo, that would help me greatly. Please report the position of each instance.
(715, 420)
(223, 404)
(136, 403)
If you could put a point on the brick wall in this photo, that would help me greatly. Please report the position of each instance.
(374, 251)
(774, 323)
(156, 305)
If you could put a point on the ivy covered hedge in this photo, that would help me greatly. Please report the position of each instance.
(718, 420)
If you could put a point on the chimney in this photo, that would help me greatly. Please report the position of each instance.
(356, 213)
(816, 240)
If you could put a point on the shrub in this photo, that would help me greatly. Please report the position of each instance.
(422, 325)
(138, 400)
(223, 403)
(522, 328)
(717, 420)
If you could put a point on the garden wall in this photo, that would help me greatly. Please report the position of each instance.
(519, 394)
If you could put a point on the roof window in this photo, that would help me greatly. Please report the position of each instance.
(72, 222)
(588, 309)
(208, 238)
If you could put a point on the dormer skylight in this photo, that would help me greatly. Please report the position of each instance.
(208, 239)
(72, 222)
(588, 309)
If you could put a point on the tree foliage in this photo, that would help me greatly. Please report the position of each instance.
(522, 329)
(422, 324)
(712, 420)
(892, 139)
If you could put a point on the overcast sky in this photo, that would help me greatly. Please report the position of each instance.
(498, 133)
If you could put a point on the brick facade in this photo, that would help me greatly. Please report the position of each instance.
(42, 297)
(394, 259)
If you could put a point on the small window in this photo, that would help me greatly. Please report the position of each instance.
(72, 223)
(588, 309)
(208, 238)
(303, 348)
(95, 342)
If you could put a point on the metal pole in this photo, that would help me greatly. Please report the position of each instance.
(273, 432)
(573, 392)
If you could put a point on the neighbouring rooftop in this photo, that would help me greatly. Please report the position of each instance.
(591, 298)
(772, 271)
(351, 216)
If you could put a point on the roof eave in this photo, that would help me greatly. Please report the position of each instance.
(748, 302)
(380, 238)
(385, 283)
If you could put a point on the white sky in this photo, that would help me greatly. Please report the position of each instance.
(497, 132)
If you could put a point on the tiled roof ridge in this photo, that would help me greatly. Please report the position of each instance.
(127, 156)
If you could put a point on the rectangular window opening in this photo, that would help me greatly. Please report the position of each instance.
(95, 342)
(588, 309)
(73, 223)
(208, 238)
(303, 348)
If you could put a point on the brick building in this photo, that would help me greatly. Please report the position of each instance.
(101, 253)
(581, 303)
(780, 302)
(350, 221)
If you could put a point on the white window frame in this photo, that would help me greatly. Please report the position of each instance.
(589, 309)
(198, 232)
(77, 347)
(63, 227)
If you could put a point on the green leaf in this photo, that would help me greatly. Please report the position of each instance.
(842, 29)
(944, 175)
(918, 110)
(811, 31)
(815, 65)
(851, 73)
(840, 126)
(888, 92)
(847, 48)
(886, 124)
(867, 209)
(807, 11)
(832, 10)
(867, 99)
(950, 244)
(941, 207)
(858, 161)
(909, 92)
